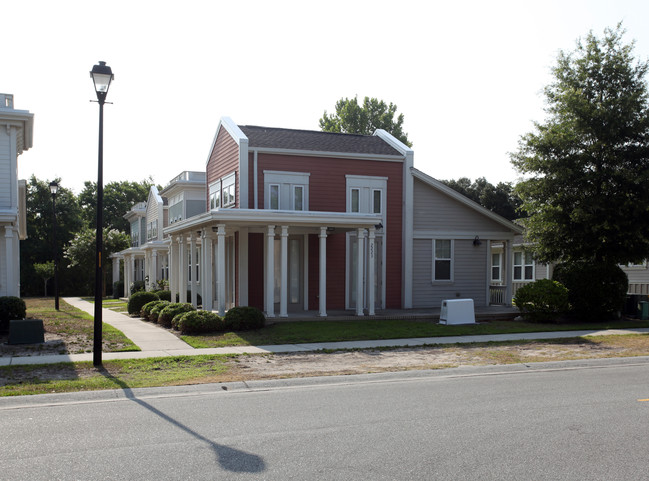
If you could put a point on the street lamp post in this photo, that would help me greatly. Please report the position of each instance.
(54, 187)
(102, 76)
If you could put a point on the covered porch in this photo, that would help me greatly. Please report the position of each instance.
(280, 261)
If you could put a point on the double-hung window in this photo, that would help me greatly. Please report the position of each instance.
(443, 260)
(228, 190)
(495, 267)
(215, 195)
(273, 200)
(523, 266)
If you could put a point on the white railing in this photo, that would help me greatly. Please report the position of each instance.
(497, 295)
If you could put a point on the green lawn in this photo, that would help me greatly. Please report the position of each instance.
(331, 331)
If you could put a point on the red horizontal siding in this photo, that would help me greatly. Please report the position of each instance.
(224, 160)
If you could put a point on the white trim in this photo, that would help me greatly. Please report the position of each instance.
(451, 259)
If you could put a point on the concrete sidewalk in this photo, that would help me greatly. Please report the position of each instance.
(158, 342)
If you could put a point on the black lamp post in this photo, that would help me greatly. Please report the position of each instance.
(101, 75)
(54, 187)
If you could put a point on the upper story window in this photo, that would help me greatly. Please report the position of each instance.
(135, 234)
(222, 192)
(366, 194)
(286, 190)
(523, 266)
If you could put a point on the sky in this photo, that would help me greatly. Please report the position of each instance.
(467, 75)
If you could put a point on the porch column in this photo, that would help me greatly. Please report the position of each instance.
(127, 278)
(508, 273)
(323, 272)
(371, 282)
(182, 269)
(173, 269)
(359, 272)
(206, 281)
(192, 268)
(115, 272)
(283, 296)
(9, 261)
(153, 277)
(270, 272)
(220, 247)
(488, 280)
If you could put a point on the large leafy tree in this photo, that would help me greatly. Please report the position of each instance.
(498, 198)
(80, 253)
(119, 197)
(38, 247)
(586, 168)
(352, 118)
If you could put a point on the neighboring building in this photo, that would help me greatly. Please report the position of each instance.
(16, 136)
(304, 220)
(147, 259)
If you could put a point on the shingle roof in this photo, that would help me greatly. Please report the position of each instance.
(311, 140)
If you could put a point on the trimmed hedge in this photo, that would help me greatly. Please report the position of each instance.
(154, 313)
(11, 307)
(139, 299)
(241, 318)
(596, 291)
(146, 309)
(164, 295)
(542, 301)
(171, 310)
(197, 322)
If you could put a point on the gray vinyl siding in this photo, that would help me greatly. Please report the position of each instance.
(195, 207)
(152, 215)
(5, 170)
(469, 274)
(434, 210)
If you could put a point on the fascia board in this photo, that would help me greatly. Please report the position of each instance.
(393, 141)
(337, 155)
(275, 217)
(436, 184)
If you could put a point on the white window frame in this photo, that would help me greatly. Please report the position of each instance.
(270, 196)
(523, 265)
(357, 191)
(294, 189)
(380, 192)
(229, 186)
(287, 182)
(450, 259)
(215, 195)
(499, 266)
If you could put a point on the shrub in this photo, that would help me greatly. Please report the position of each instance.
(154, 313)
(118, 289)
(164, 295)
(137, 286)
(244, 318)
(171, 310)
(542, 301)
(146, 309)
(137, 301)
(596, 291)
(11, 307)
(196, 322)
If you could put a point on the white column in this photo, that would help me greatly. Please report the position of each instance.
(206, 270)
(283, 296)
(115, 272)
(9, 258)
(192, 267)
(323, 272)
(371, 274)
(153, 277)
(508, 261)
(270, 272)
(182, 269)
(220, 246)
(243, 266)
(127, 277)
(359, 272)
(488, 280)
(173, 269)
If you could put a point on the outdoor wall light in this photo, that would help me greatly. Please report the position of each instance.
(477, 242)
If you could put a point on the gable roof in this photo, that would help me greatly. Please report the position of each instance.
(316, 141)
(441, 187)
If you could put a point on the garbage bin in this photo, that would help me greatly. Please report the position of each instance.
(643, 310)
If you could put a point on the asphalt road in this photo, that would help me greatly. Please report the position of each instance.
(557, 421)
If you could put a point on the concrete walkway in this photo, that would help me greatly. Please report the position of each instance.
(158, 342)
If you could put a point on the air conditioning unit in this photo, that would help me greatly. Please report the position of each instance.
(457, 311)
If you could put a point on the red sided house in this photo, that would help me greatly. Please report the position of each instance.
(305, 220)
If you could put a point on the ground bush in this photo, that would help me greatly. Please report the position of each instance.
(171, 310)
(199, 300)
(146, 309)
(11, 307)
(137, 286)
(118, 289)
(154, 313)
(596, 291)
(542, 301)
(197, 322)
(242, 318)
(138, 299)
(164, 295)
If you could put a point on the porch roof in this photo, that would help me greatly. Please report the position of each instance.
(265, 217)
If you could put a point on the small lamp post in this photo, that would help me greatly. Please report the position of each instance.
(54, 187)
(102, 76)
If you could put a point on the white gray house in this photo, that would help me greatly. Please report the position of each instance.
(16, 135)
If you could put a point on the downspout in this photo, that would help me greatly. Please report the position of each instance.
(255, 180)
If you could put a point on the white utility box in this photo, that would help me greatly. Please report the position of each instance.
(457, 311)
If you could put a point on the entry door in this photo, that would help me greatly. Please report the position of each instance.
(353, 271)
(295, 272)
